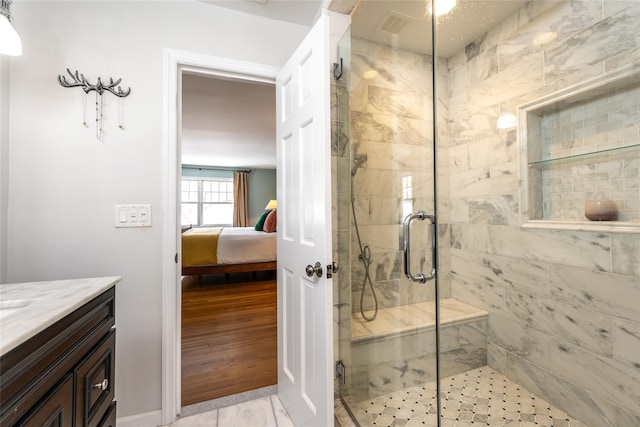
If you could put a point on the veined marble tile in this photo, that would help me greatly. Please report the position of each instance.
(626, 418)
(628, 57)
(472, 125)
(458, 158)
(504, 179)
(371, 182)
(625, 250)
(496, 358)
(458, 335)
(362, 208)
(459, 209)
(254, 413)
(458, 79)
(522, 78)
(494, 210)
(470, 183)
(555, 25)
(399, 103)
(477, 293)
(205, 419)
(383, 211)
(581, 326)
(626, 340)
(363, 64)
(415, 131)
(281, 415)
(510, 273)
(373, 127)
(600, 375)
(387, 294)
(414, 73)
(579, 249)
(454, 311)
(477, 237)
(577, 402)
(519, 339)
(605, 39)
(397, 156)
(612, 294)
(494, 150)
(483, 66)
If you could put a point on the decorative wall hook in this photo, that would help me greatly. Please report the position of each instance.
(79, 80)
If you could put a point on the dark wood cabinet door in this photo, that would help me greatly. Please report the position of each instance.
(55, 409)
(95, 386)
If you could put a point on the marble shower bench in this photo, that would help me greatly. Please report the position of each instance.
(397, 349)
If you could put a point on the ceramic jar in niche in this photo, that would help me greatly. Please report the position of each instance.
(601, 210)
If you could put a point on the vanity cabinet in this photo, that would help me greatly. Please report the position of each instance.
(64, 375)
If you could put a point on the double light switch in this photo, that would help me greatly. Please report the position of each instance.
(133, 216)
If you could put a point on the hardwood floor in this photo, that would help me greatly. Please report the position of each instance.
(229, 335)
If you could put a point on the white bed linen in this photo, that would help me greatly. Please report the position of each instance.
(242, 245)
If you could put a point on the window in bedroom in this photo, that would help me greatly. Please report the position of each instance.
(207, 201)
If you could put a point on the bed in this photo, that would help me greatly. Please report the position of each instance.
(216, 250)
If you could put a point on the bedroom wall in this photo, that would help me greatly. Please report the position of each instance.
(262, 185)
(63, 183)
(262, 188)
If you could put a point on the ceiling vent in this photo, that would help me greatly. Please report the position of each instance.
(394, 22)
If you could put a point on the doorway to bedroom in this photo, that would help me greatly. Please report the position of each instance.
(229, 290)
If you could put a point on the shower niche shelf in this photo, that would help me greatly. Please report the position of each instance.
(580, 144)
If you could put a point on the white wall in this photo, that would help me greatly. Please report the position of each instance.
(4, 162)
(63, 183)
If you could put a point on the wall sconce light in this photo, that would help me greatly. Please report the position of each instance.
(272, 205)
(506, 121)
(10, 43)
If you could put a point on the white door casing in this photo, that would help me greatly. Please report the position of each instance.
(305, 373)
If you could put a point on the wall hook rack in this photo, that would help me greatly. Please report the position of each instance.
(80, 80)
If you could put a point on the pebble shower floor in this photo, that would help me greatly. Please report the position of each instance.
(479, 397)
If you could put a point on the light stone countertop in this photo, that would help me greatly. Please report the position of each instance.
(29, 308)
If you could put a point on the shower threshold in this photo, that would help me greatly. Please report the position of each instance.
(480, 396)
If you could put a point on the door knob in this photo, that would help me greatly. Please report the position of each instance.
(315, 269)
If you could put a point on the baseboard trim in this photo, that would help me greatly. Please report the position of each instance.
(148, 419)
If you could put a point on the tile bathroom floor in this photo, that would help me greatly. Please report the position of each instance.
(262, 412)
(477, 397)
(474, 398)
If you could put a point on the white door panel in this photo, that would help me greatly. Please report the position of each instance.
(305, 373)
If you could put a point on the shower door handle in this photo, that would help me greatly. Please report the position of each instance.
(406, 238)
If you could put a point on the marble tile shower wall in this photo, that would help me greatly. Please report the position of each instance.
(599, 124)
(564, 306)
(391, 144)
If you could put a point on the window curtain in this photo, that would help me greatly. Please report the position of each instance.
(241, 199)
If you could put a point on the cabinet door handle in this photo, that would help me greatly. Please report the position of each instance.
(102, 385)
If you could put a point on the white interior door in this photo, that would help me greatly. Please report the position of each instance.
(305, 373)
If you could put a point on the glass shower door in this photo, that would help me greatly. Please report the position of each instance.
(536, 116)
(384, 156)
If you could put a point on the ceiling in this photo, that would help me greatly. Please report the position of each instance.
(228, 123)
(232, 123)
(303, 12)
(468, 20)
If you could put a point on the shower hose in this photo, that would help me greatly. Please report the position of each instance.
(365, 257)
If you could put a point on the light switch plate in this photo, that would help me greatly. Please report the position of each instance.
(132, 216)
